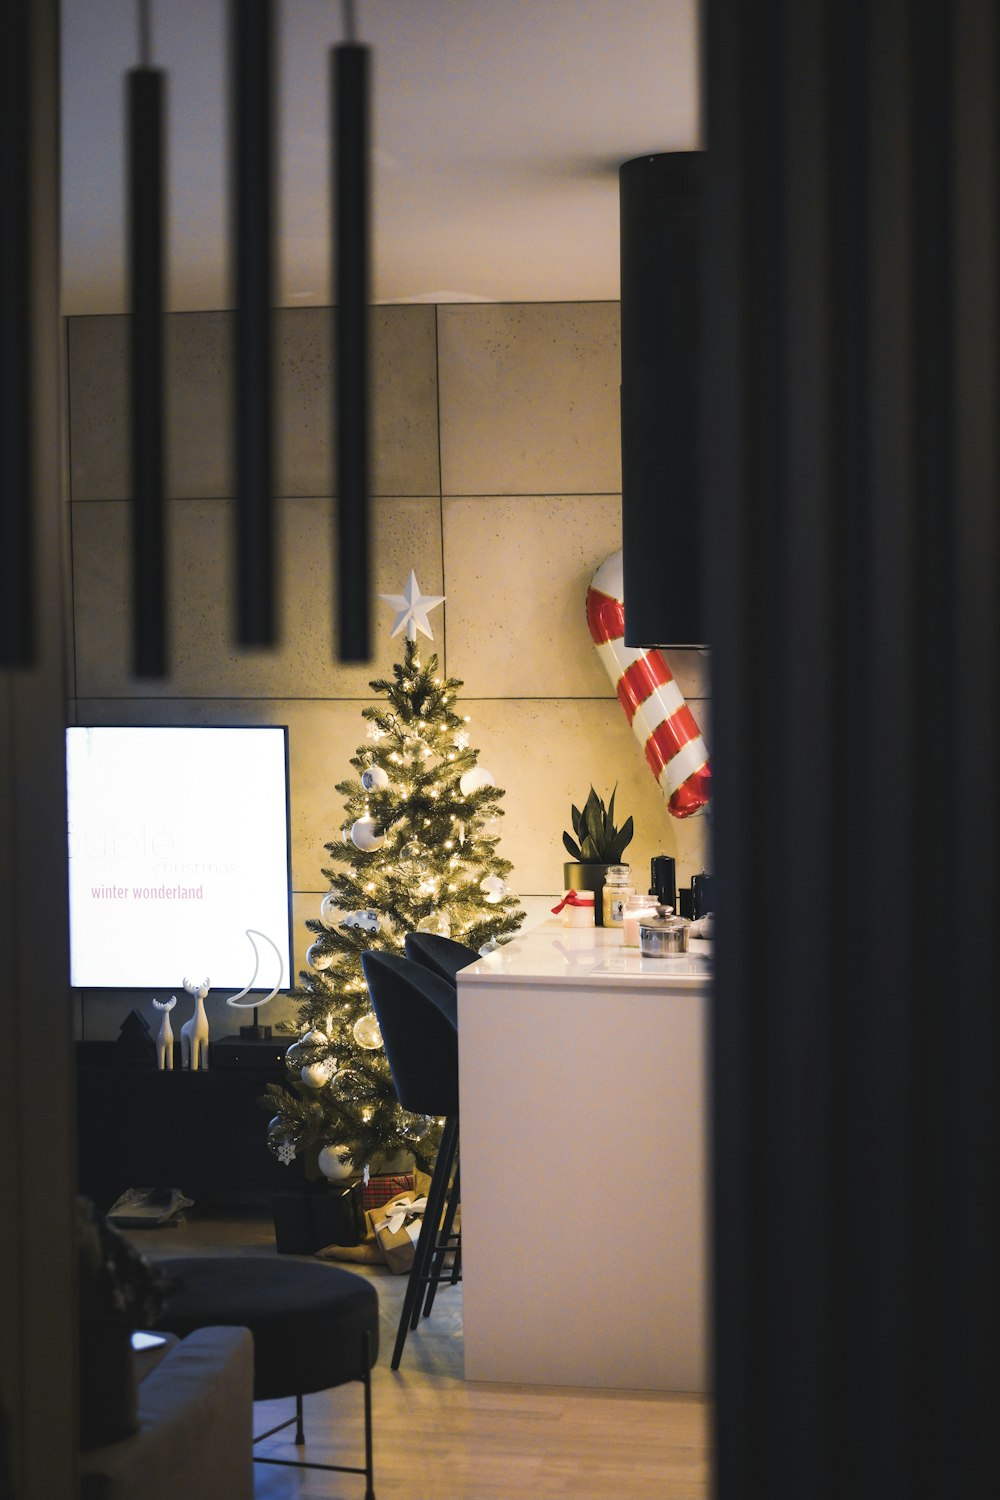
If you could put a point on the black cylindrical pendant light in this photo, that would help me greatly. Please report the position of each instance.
(661, 524)
(350, 85)
(252, 46)
(17, 606)
(145, 104)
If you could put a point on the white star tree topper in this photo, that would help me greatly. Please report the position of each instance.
(412, 608)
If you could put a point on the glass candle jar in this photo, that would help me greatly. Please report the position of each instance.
(617, 888)
(636, 908)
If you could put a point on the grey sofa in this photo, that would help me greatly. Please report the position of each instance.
(195, 1425)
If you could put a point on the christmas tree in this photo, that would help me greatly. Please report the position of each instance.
(415, 853)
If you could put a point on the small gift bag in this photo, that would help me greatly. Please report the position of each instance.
(396, 1226)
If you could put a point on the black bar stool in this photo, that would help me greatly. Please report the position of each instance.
(445, 957)
(417, 1013)
(440, 955)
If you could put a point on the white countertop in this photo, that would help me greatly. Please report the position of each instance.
(553, 954)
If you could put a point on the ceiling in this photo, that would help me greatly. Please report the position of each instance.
(498, 127)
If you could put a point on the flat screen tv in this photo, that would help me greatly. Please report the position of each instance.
(178, 844)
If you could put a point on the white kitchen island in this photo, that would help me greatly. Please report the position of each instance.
(584, 1163)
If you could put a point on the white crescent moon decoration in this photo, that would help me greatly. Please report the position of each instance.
(238, 1000)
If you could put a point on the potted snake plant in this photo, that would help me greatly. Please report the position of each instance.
(595, 843)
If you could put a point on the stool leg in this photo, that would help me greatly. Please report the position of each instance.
(369, 1465)
(300, 1436)
(427, 1236)
(427, 1247)
(436, 1269)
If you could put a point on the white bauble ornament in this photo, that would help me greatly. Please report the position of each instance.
(475, 780)
(493, 888)
(330, 1164)
(490, 946)
(315, 1075)
(374, 778)
(328, 908)
(365, 835)
(316, 958)
(366, 1033)
(438, 922)
(315, 1038)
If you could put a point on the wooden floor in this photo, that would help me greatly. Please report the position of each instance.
(438, 1437)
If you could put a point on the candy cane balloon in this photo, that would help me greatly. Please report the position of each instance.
(653, 703)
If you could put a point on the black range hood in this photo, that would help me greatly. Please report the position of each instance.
(661, 528)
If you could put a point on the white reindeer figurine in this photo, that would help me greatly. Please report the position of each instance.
(165, 1039)
(194, 1033)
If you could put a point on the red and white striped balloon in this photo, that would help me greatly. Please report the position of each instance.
(653, 703)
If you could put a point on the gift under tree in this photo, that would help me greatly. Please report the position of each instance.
(416, 852)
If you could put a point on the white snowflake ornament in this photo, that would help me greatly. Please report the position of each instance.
(286, 1153)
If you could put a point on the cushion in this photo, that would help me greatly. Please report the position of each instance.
(119, 1290)
(115, 1280)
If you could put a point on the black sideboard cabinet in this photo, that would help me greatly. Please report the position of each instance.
(202, 1132)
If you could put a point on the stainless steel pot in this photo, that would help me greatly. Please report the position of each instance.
(662, 937)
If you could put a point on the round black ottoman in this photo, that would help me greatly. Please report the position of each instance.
(312, 1324)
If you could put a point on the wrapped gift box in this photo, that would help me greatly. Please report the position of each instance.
(306, 1219)
(396, 1227)
(382, 1186)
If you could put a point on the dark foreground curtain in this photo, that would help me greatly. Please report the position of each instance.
(850, 428)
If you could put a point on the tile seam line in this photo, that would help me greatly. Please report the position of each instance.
(365, 698)
(564, 494)
(320, 307)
